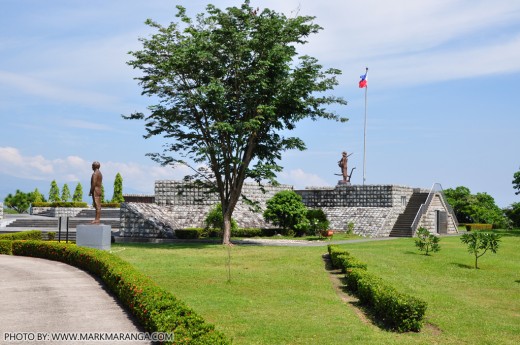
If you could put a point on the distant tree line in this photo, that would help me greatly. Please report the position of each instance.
(481, 207)
(21, 201)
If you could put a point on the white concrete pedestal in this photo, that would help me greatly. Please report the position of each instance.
(94, 236)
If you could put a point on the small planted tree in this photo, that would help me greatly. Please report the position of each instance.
(117, 197)
(78, 193)
(286, 210)
(37, 196)
(427, 242)
(54, 192)
(479, 243)
(65, 193)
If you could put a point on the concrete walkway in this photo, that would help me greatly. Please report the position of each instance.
(50, 297)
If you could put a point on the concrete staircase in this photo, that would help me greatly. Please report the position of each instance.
(403, 225)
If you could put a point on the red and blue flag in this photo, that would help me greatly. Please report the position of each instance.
(363, 81)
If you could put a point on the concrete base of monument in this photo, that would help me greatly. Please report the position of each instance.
(94, 236)
(343, 183)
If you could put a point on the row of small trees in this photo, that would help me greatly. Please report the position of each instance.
(479, 243)
(20, 201)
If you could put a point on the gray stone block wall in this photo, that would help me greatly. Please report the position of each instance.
(368, 221)
(373, 209)
(356, 196)
(56, 211)
(177, 193)
(147, 220)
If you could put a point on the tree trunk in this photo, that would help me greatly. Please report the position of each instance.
(226, 234)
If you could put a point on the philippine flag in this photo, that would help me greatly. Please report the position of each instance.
(363, 81)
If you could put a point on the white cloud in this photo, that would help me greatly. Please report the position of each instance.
(301, 179)
(408, 42)
(54, 91)
(76, 169)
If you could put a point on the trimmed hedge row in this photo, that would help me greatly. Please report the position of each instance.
(156, 309)
(60, 204)
(477, 226)
(22, 235)
(194, 233)
(397, 311)
(6, 247)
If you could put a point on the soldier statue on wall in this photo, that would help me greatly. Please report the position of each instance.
(95, 190)
(343, 164)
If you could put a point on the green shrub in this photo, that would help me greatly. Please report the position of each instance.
(214, 222)
(317, 221)
(6, 247)
(22, 235)
(397, 311)
(342, 259)
(346, 262)
(156, 309)
(247, 232)
(191, 233)
(110, 205)
(477, 226)
(51, 235)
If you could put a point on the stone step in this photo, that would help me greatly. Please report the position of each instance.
(105, 213)
(54, 223)
(403, 224)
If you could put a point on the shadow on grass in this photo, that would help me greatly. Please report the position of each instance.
(176, 245)
(462, 265)
(409, 252)
(364, 313)
(508, 233)
(517, 281)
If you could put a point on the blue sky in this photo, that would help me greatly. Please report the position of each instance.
(443, 97)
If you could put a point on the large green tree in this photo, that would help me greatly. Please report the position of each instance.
(230, 85)
(286, 210)
(475, 208)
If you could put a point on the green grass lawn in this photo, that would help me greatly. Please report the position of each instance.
(284, 295)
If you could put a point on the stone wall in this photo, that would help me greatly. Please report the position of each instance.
(56, 211)
(152, 220)
(373, 209)
(429, 218)
(146, 220)
(368, 221)
(177, 193)
(356, 196)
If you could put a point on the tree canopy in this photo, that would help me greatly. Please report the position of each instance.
(516, 182)
(230, 85)
(475, 208)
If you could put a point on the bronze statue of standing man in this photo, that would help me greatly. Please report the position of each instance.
(95, 190)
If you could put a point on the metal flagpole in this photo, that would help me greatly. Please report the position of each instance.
(365, 132)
